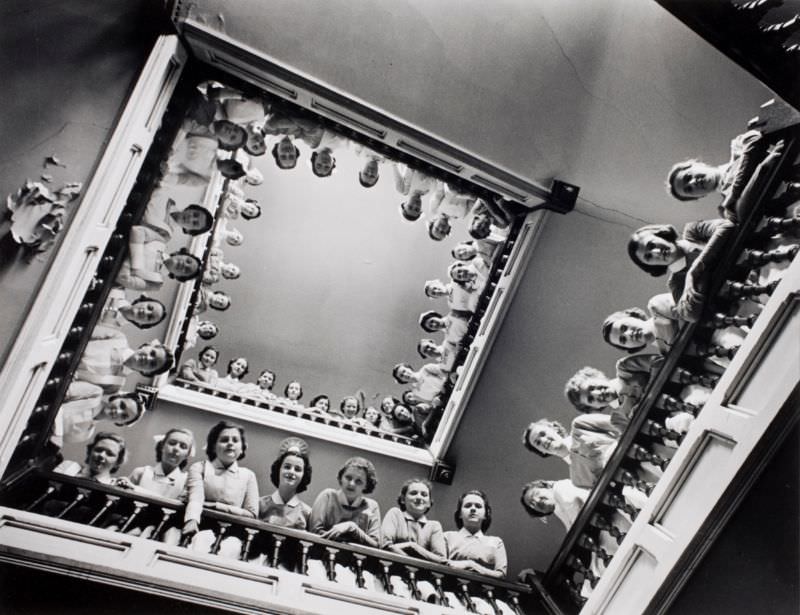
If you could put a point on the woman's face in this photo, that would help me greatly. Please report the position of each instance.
(255, 146)
(417, 499)
(219, 301)
(121, 409)
(349, 407)
(104, 456)
(387, 405)
(473, 512)
(372, 415)
(353, 482)
(654, 250)
(464, 251)
(266, 381)
(190, 219)
(234, 238)
(293, 391)
(696, 181)
(230, 271)
(597, 393)
(287, 154)
(323, 162)
(207, 330)
(323, 403)
(182, 265)
(402, 414)
(208, 358)
(249, 209)
(143, 313)
(631, 332)
(545, 438)
(238, 367)
(229, 446)
(228, 134)
(462, 274)
(177, 446)
(541, 499)
(291, 472)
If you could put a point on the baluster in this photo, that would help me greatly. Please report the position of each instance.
(673, 404)
(110, 501)
(576, 563)
(614, 500)
(463, 587)
(626, 477)
(514, 598)
(489, 597)
(248, 543)
(657, 430)
(166, 513)
(601, 523)
(739, 290)
(640, 453)
(587, 542)
(304, 546)
(385, 577)
(78, 499)
(221, 531)
(359, 559)
(411, 580)
(720, 321)
(574, 592)
(330, 562)
(439, 586)
(276, 549)
(74, 332)
(48, 492)
(137, 508)
(684, 376)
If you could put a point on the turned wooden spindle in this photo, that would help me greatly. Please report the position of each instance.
(110, 501)
(166, 515)
(305, 546)
(576, 563)
(673, 404)
(137, 508)
(439, 587)
(657, 430)
(330, 562)
(615, 500)
(222, 529)
(248, 543)
(48, 492)
(590, 544)
(277, 543)
(629, 479)
(684, 376)
(411, 580)
(602, 523)
(79, 497)
(385, 577)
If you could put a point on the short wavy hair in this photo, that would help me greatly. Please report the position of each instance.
(425, 319)
(664, 231)
(108, 435)
(286, 388)
(185, 277)
(208, 220)
(275, 469)
(611, 319)
(239, 131)
(575, 386)
(534, 484)
(141, 406)
(526, 435)
(252, 216)
(246, 366)
(487, 522)
(213, 436)
(206, 349)
(314, 156)
(160, 445)
(278, 160)
(672, 176)
(401, 499)
(396, 373)
(367, 466)
(169, 359)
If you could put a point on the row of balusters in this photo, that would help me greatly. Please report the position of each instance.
(78, 500)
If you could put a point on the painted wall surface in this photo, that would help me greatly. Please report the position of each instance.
(604, 95)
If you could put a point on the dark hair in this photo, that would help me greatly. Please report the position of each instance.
(404, 407)
(405, 399)
(480, 232)
(141, 406)
(664, 231)
(534, 484)
(142, 299)
(205, 348)
(169, 358)
(240, 130)
(365, 184)
(407, 215)
(314, 168)
(634, 312)
(526, 435)
(318, 398)
(401, 499)
(278, 160)
(254, 216)
(162, 441)
(185, 277)
(213, 436)
(107, 435)
(574, 387)
(432, 234)
(246, 366)
(419, 346)
(207, 224)
(486, 522)
(286, 389)
(425, 318)
(216, 330)
(275, 468)
(230, 168)
(219, 292)
(396, 372)
(268, 371)
(673, 175)
(361, 464)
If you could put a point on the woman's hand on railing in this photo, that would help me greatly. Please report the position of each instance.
(190, 528)
(345, 529)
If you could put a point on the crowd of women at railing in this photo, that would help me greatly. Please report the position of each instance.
(689, 260)
(342, 513)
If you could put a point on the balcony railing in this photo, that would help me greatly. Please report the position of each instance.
(262, 544)
(647, 446)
